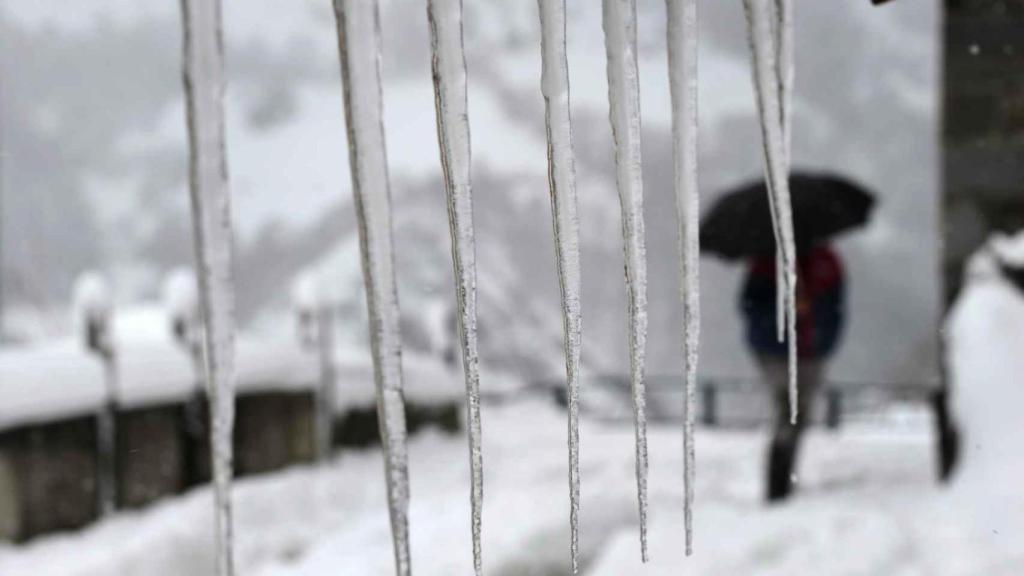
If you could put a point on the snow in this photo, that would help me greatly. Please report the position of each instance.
(360, 54)
(62, 380)
(624, 103)
(91, 295)
(449, 70)
(985, 332)
(867, 504)
(428, 381)
(562, 181)
(180, 294)
(683, 50)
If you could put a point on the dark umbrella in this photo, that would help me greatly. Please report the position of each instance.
(824, 205)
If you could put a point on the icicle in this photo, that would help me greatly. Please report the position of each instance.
(562, 181)
(359, 46)
(785, 72)
(767, 85)
(211, 220)
(449, 69)
(624, 101)
(682, 65)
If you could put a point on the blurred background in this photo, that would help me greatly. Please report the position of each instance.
(95, 222)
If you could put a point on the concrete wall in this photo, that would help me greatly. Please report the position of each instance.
(150, 455)
(273, 430)
(48, 473)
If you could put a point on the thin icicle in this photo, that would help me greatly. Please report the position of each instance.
(786, 72)
(360, 52)
(786, 76)
(449, 69)
(766, 85)
(562, 181)
(682, 67)
(624, 102)
(211, 220)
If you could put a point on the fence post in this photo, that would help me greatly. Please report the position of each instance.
(709, 404)
(833, 408)
(316, 328)
(181, 299)
(93, 312)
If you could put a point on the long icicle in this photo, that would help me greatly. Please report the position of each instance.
(766, 85)
(211, 220)
(682, 64)
(449, 71)
(624, 104)
(785, 74)
(360, 50)
(562, 182)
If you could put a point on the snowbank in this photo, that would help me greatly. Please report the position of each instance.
(986, 354)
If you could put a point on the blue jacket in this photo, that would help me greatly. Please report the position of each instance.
(821, 295)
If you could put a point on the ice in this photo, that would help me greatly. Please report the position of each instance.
(211, 220)
(624, 101)
(682, 53)
(562, 180)
(360, 51)
(767, 86)
(449, 71)
(785, 71)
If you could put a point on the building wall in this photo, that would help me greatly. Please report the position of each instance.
(983, 152)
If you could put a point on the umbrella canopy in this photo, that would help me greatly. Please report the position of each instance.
(739, 225)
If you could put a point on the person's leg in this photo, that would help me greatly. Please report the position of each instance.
(780, 453)
(784, 447)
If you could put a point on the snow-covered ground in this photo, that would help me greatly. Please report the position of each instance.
(868, 505)
(868, 502)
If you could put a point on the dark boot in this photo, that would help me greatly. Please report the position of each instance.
(781, 457)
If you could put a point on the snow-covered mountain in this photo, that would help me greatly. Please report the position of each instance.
(95, 151)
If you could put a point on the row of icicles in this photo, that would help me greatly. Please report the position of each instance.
(770, 29)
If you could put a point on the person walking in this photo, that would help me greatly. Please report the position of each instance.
(820, 313)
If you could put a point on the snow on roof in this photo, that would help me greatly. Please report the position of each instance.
(62, 379)
(47, 383)
(263, 364)
(153, 373)
(428, 381)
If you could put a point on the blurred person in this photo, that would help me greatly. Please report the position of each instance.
(820, 300)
